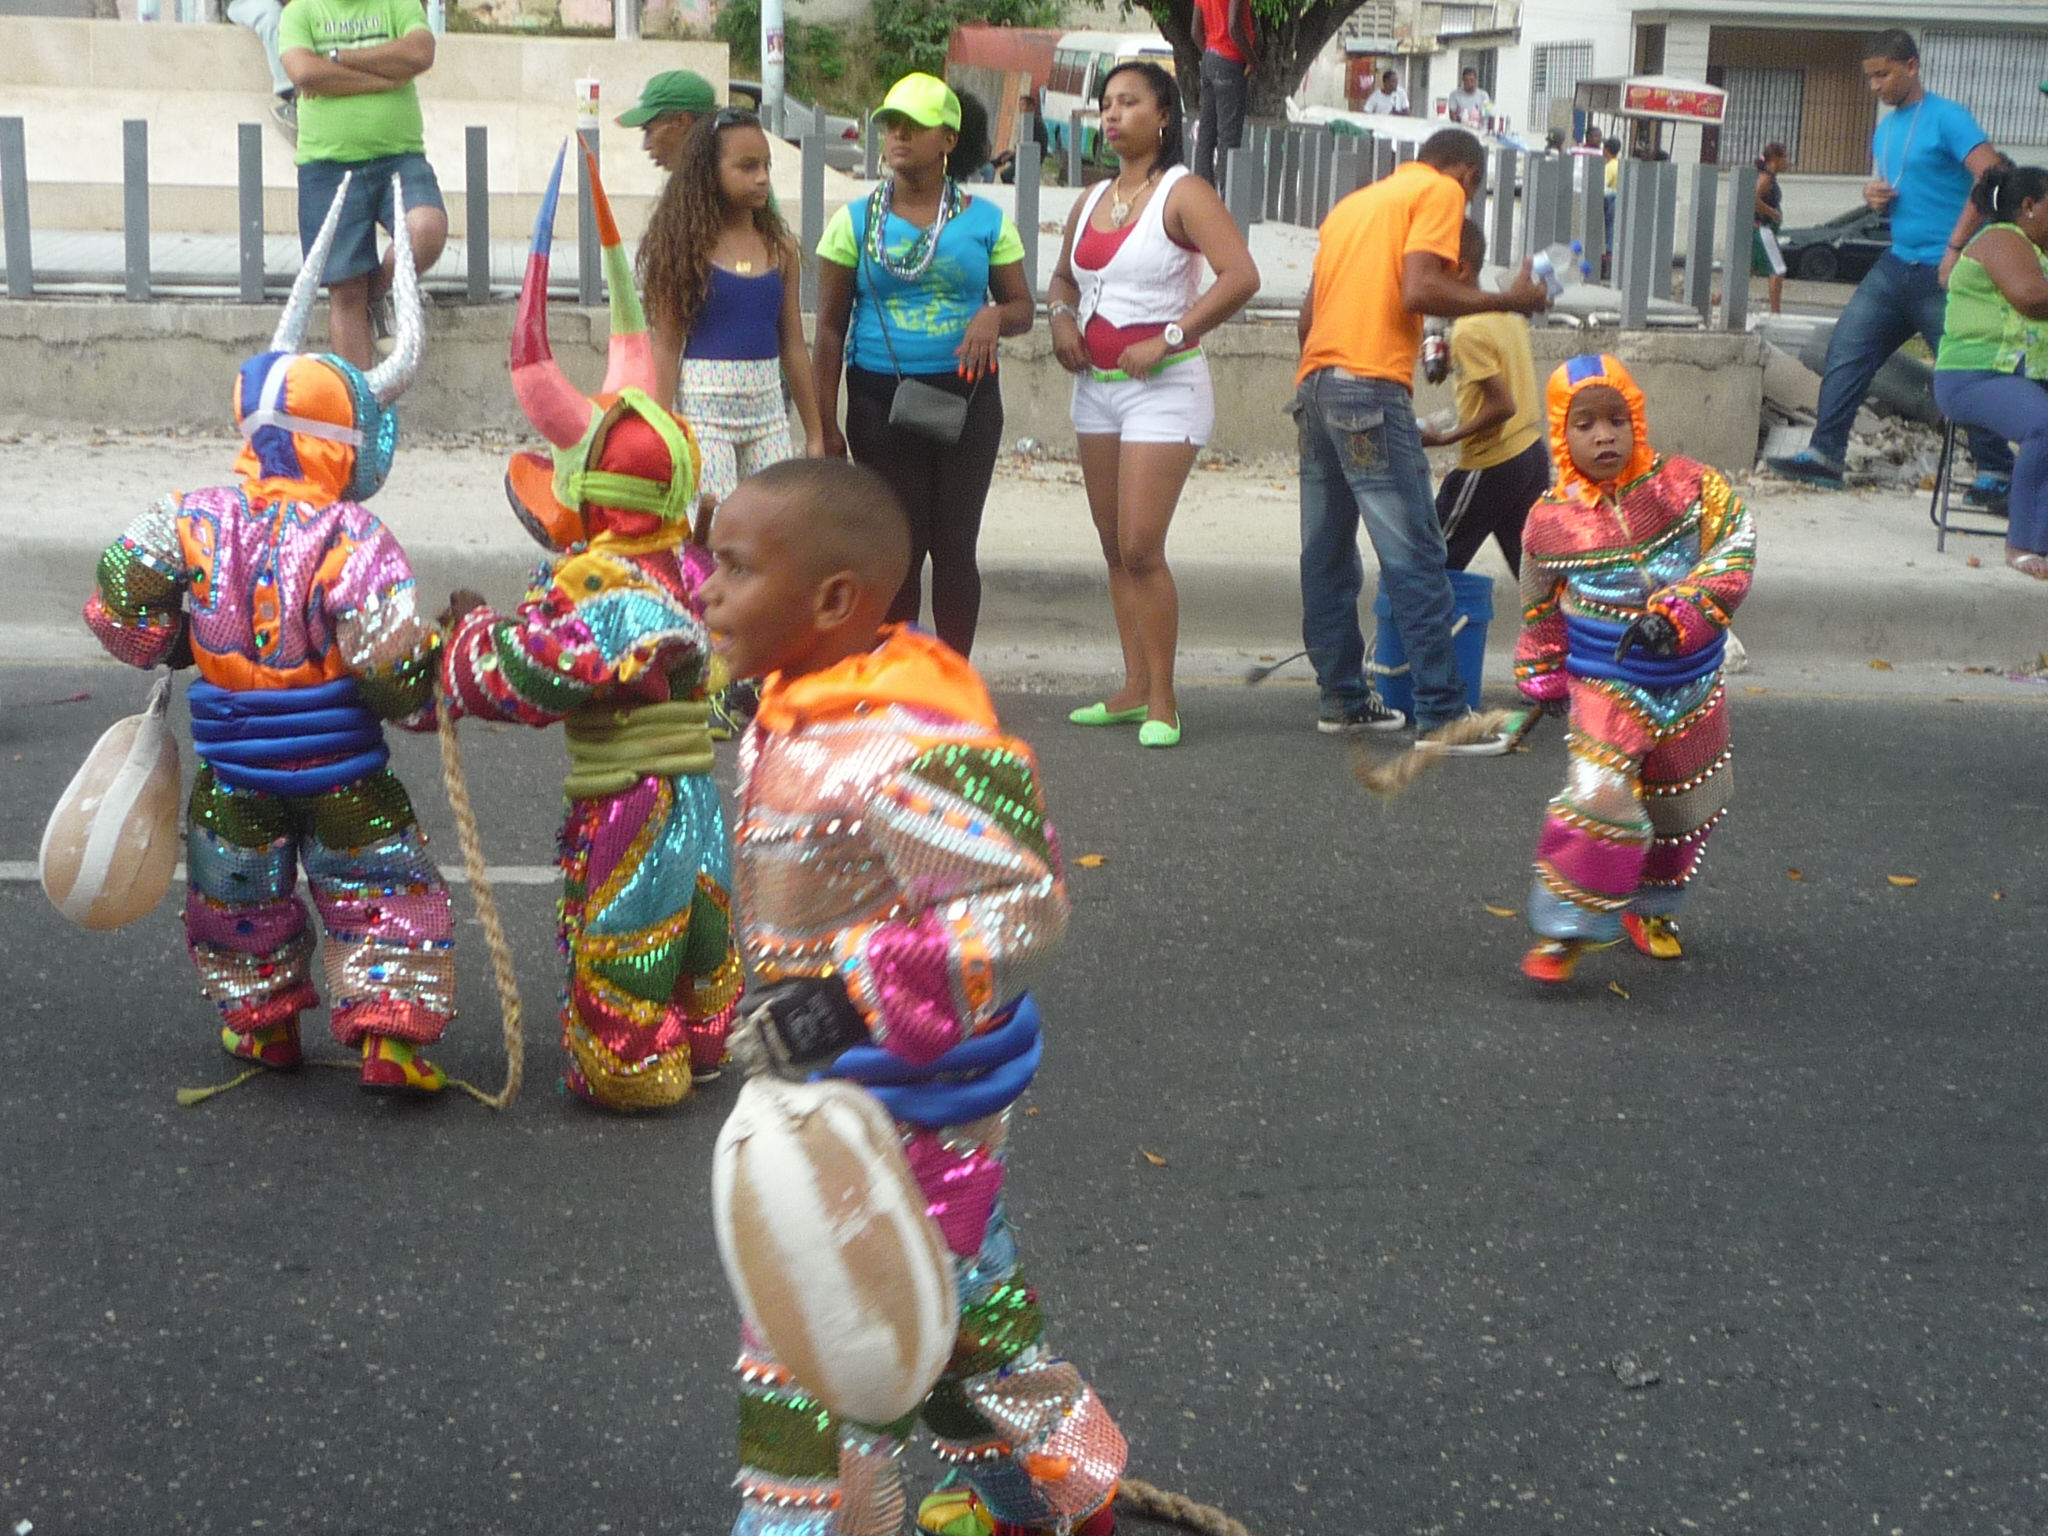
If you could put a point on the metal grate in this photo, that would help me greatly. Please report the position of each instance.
(1554, 72)
(1997, 75)
(1763, 105)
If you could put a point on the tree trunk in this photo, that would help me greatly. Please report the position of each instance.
(1285, 49)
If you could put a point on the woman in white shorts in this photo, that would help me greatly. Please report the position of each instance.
(1128, 315)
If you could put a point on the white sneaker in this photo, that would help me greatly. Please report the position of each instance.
(284, 112)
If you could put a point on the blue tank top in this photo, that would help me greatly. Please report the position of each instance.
(741, 317)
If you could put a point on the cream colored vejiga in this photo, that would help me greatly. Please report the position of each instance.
(111, 845)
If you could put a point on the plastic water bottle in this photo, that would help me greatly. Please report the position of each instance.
(1436, 350)
(1560, 266)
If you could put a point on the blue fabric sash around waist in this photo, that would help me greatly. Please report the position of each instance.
(261, 738)
(977, 1077)
(1589, 652)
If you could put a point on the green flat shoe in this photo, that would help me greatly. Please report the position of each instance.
(1157, 733)
(1102, 714)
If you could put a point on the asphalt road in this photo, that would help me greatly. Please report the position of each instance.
(1752, 1242)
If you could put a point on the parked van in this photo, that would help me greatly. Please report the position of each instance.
(1080, 60)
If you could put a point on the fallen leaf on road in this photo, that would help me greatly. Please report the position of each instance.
(1998, 895)
(1903, 879)
(1154, 1158)
(1617, 989)
(1033, 1110)
(1092, 860)
(1501, 911)
(1877, 665)
(1973, 562)
(1752, 688)
(1795, 874)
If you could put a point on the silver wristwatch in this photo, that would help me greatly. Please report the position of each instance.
(1173, 335)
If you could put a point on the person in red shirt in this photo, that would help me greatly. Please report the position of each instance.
(1223, 31)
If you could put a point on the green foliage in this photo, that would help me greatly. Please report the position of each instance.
(912, 34)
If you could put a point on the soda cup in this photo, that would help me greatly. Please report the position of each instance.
(586, 100)
(1436, 353)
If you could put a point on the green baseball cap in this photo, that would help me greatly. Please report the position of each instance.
(925, 99)
(673, 90)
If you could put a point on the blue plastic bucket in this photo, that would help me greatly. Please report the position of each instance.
(1472, 602)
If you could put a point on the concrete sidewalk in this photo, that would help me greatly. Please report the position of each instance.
(1845, 580)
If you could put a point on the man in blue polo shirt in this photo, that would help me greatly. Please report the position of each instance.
(1927, 153)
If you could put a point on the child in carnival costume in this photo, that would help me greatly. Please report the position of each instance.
(298, 608)
(609, 642)
(898, 883)
(1633, 565)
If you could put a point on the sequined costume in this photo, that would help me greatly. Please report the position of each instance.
(889, 831)
(609, 642)
(1649, 775)
(297, 606)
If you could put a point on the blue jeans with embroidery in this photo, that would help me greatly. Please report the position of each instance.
(1362, 461)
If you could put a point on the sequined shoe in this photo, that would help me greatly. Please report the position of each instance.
(1552, 961)
(275, 1046)
(954, 1509)
(394, 1066)
(1656, 937)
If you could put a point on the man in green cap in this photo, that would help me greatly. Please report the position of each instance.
(669, 107)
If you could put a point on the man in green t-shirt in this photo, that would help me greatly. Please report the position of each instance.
(354, 63)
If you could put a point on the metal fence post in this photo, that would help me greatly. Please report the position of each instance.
(1539, 204)
(1593, 219)
(1290, 176)
(135, 205)
(477, 216)
(1074, 160)
(589, 255)
(1029, 173)
(1639, 245)
(811, 149)
(21, 276)
(1347, 171)
(1735, 249)
(1272, 159)
(1500, 234)
(1666, 232)
(1699, 243)
(626, 21)
(249, 208)
(871, 150)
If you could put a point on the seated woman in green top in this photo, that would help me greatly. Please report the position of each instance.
(1994, 346)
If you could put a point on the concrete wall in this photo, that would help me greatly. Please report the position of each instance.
(75, 82)
(80, 364)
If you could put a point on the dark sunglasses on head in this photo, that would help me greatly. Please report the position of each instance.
(735, 117)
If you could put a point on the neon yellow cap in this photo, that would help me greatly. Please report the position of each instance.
(925, 100)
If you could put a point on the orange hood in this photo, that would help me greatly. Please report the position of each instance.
(907, 667)
(1584, 372)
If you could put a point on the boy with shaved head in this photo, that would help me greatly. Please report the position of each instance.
(898, 882)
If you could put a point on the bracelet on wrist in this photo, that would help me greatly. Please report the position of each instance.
(1054, 311)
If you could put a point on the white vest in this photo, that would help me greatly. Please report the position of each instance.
(1150, 280)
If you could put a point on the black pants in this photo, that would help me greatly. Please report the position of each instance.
(943, 488)
(1473, 503)
(1225, 93)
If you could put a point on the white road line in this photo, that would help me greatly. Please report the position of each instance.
(17, 870)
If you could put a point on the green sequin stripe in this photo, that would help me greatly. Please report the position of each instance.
(540, 686)
(997, 782)
(246, 821)
(371, 809)
(996, 1329)
(132, 589)
(786, 1434)
(403, 689)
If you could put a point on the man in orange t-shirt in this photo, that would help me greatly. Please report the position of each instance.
(1386, 256)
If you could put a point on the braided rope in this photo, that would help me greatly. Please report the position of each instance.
(487, 913)
(1390, 776)
(1178, 1508)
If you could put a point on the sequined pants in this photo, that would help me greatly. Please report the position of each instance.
(390, 938)
(1020, 1423)
(653, 970)
(1649, 778)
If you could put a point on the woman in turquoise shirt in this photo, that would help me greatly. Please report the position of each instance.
(919, 282)
(1994, 346)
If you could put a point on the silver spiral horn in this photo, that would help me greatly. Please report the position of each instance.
(389, 378)
(290, 335)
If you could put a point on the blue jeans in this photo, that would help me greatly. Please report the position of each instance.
(1895, 300)
(2016, 408)
(369, 204)
(1361, 459)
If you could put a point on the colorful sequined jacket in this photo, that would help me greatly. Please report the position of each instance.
(1676, 541)
(888, 829)
(613, 622)
(280, 596)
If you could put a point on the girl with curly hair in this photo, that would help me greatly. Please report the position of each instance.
(718, 270)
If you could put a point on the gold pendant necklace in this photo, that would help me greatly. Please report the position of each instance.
(743, 267)
(1120, 206)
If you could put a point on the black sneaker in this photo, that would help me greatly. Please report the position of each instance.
(1808, 468)
(1349, 720)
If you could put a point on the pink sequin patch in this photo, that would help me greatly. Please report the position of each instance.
(960, 1189)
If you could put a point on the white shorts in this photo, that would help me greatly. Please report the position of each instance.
(1177, 405)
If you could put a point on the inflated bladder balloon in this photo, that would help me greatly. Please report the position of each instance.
(112, 842)
(827, 1245)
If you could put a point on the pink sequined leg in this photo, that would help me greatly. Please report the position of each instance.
(254, 960)
(390, 937)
